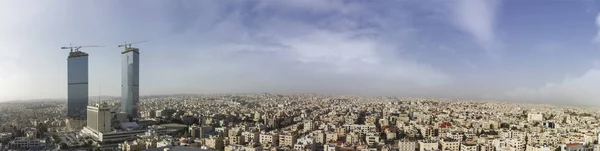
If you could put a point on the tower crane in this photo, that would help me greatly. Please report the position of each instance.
(76, 48)
(128, 45)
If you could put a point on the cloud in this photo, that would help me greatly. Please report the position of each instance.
(478, 18)
(287, 53)
(597, 38)
(581, 90)
(225, 46)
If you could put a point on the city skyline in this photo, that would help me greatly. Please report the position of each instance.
(507, 52)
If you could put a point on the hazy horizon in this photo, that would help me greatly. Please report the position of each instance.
(521, 51)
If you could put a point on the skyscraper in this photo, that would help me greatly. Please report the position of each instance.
(130, 81)
(77, 97)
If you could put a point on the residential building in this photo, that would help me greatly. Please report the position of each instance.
(287, 140)
(468, 146)
(428, 145)
(406, 145)
(449, 144)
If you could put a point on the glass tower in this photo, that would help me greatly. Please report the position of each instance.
(77, 97)
(130, 82)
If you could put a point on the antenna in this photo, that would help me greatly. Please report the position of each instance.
(128, 45)
(99, 92)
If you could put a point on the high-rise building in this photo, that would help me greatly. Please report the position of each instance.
(99, 118)
(130, 82)
(77, 97)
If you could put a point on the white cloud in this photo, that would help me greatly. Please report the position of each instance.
(478, 17)
(597, 38)
(320, 47)
(581, 90)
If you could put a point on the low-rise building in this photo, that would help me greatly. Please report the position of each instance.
(428, 145)
(372, 138)
(406, 145)
(287, 140)
(449, 144)
(26, 143)
(468, 146)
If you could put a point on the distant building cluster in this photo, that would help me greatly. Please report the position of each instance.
(309, 122)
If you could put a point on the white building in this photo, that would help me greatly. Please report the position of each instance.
(428, 145)
(535, 117)
(309, 126)
(405, 145)
(287, 140)
(372, 138)
(362, 129)
(98, 118)
(270, 139)
(468, 146)
(450, 144)
(331, 137)
(537, 148)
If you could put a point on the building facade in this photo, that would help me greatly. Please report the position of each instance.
(77, 84)
(130, 82)
(405, 145)
(99, 118)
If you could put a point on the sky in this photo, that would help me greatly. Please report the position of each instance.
(520, 51)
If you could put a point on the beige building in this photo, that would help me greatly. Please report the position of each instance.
(133, 146)
(250, 137)
(486, 147)
(405, 145)
(468, 146)
(319, 137)
(99, 118)
(236, 140)
(353, 138)
(428, 145)
(449, 144)
(269, 140)
(372, 138)
(287, 140)
(331, 137)
(214, 142)
(537, 148)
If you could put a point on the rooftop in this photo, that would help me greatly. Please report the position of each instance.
(77, 54)
(136, 50)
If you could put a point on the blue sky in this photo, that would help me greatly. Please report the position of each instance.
(524, 51)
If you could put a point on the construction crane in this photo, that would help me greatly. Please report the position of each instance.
(128, 45)
(76, 48)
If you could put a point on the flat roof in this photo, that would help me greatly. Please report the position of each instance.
(136, 50)
(174, 125)
(77, 54)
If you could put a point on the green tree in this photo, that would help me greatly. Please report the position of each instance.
(505, 125)
(63, 146)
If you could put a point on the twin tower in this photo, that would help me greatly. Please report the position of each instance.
(77, 98)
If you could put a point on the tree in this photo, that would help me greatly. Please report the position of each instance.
(63, 146)
(505, 125)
